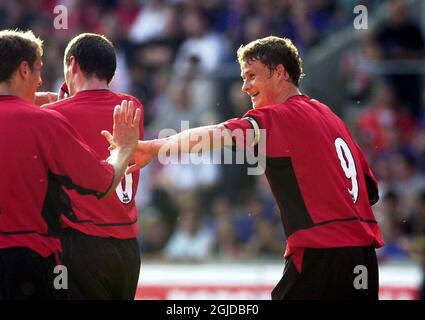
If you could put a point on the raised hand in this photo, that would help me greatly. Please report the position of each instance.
(124, 139)
(125, 133)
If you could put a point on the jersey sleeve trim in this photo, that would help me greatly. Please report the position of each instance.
(256, 128)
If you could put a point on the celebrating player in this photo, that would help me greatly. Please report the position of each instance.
(99, 239)
(318, 175)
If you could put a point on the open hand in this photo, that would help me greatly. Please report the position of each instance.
(125, 133)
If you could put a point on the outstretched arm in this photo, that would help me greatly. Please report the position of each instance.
(189, 141)
(206, 138)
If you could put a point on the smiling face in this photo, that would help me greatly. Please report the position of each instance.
(262, 85)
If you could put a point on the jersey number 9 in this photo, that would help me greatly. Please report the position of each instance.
(347, 163)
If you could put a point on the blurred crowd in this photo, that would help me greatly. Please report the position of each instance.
(178, 58)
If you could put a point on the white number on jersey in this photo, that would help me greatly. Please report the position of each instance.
(347, 164)
(125, 195)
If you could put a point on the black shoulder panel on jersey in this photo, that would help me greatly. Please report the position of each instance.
(55, 203)
(284, 184)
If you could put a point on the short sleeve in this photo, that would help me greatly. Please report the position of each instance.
(246, 131)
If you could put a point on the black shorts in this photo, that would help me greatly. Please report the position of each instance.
(100, 268)
(25, 275)
(339, 273)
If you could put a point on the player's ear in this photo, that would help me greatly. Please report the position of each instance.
(280, 71)
(283, 74)
(24, 69)
(74, 64)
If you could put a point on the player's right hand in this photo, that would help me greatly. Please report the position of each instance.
(139, 160)
(142, 156)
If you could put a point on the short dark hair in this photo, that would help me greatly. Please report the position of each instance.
(94, 53)
(272, 51)
(17, 46)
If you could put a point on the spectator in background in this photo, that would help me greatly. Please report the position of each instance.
(265, 240)
(201, 43)
(191, 98)
(383, 126)
(126, 11)
(357, 66)
(192, 241)
(304, 33)
(408, 182)
(401, 39)
(154, 233)
(159, 198)
(151, 63)
(151, 21)
(238, 11)
(393, 220)
(226, 244)
(256, 27)
(110, 27)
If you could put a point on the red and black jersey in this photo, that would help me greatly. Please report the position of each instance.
(38, 156)
(318, 175)
(89, 112)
